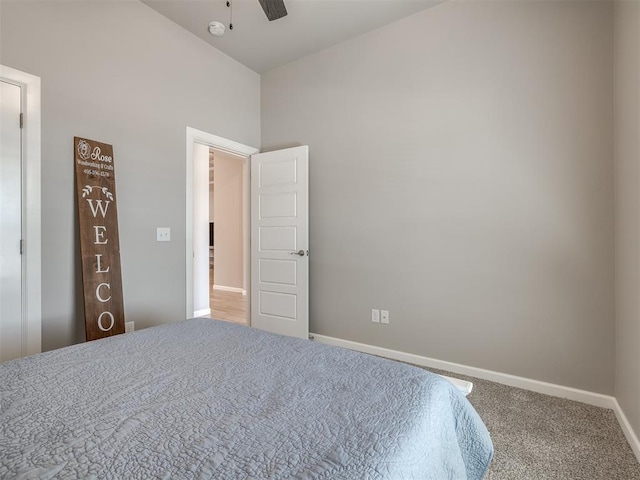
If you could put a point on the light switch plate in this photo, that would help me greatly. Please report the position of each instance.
(163, 234)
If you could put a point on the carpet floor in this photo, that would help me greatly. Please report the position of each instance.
(538, 437)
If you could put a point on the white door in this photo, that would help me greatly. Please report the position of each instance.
(280, 241)
(10, 223)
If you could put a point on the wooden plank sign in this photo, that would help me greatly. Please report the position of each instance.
(99, 240)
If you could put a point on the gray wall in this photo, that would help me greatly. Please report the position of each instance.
(461, 176)
(120, 73)
(627, 182)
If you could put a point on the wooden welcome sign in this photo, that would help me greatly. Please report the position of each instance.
(99, 241)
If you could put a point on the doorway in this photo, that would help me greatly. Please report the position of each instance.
(11, 231)
(20, 284)
(227, 232)
(201, 298)
(276, 221)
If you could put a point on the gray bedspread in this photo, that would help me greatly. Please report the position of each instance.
(208, 399)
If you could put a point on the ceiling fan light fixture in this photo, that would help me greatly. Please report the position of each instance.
(273, 9)
(216, 28)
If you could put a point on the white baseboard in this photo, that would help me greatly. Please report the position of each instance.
(202, 313)
(590, 398)
(552, 389)
(230, 289)
(632, 438)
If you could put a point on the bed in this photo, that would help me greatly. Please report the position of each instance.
(207, 399)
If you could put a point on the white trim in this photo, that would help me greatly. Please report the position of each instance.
(32, 280)
(632, 438)
(230, 289)
(202, 313)
(198, 136)
(591, 398)
(246, 237)
(596, 399)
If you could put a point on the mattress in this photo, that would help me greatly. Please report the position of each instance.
(207, 399)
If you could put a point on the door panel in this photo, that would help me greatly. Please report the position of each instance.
(279, 231)
(280, 172)
(11, 223)
(281, 305)
(278, 271)
(277, 238)
(275, 205)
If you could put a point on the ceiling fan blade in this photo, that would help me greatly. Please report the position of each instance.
(274, 9)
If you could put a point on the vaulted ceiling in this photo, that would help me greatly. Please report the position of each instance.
(310, 26)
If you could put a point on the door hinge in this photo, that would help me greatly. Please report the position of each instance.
(22, 120)
(21, 246)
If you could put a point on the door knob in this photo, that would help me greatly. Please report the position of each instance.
(300, 253)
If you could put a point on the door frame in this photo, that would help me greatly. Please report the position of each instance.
(31, 208)
(219, 143)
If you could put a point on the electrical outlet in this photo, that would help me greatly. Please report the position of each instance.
(163, 234)
(384, 316)
(375, 315)
(128, 327)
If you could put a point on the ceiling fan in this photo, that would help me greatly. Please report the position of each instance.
(273, 9)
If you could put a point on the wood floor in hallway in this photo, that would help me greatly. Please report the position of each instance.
(228, 306)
